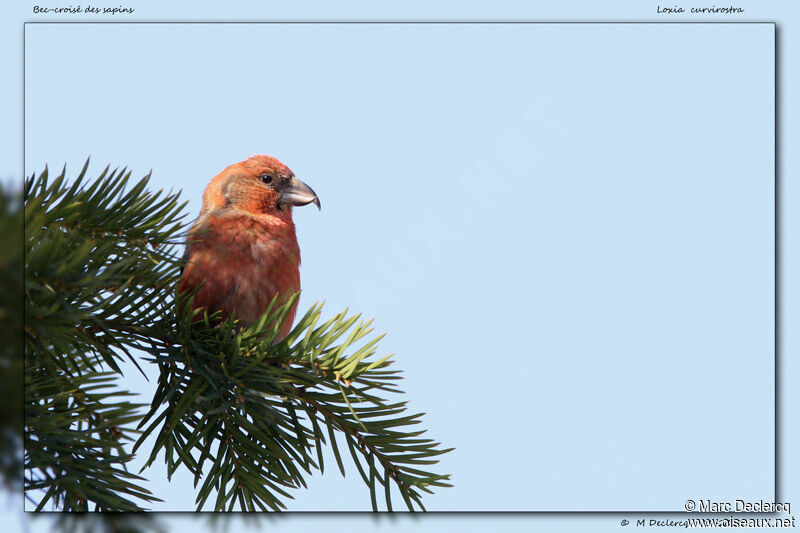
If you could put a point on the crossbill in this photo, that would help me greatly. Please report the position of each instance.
(242, 251)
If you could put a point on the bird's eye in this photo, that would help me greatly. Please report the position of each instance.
(266, 178)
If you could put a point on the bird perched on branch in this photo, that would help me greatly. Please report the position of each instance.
(242, 251)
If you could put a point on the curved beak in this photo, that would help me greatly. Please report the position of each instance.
(297, 193)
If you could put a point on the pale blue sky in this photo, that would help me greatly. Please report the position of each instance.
(605, 190)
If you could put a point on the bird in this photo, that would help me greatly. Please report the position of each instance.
(242, 250)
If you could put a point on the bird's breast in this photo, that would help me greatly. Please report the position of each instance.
(243, 265)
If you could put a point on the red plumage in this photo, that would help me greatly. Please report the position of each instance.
(242, 251)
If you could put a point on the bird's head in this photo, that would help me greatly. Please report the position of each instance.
(260, 185)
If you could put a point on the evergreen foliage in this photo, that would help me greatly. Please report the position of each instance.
(247, 416)
(11, 330)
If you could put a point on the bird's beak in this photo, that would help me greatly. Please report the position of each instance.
(298, 193)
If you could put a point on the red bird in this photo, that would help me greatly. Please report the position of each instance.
(242, 251)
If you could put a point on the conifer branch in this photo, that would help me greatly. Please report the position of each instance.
(246, 415)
